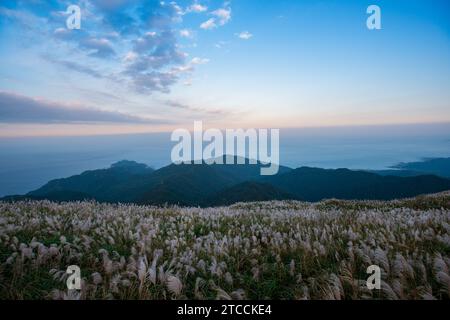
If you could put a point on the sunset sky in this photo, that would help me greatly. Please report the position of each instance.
(145, 66)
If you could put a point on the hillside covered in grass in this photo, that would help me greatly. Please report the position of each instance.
(261, 250)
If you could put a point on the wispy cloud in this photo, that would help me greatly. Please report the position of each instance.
(15, 108)
(197, 8)
(98, 47)
(221, 44)
(137, 40)
(74, 66)
(244, 35)
(221, 17)
(186, 33)
(209, 24)
(179, 105)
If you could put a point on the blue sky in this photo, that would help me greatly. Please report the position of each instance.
(137, 66)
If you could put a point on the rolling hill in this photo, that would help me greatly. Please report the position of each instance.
(313, 184)
(215, 185)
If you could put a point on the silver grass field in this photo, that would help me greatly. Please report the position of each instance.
(271, 250)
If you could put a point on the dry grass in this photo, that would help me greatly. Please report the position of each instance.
(278, 250)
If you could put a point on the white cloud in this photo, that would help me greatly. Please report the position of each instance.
(197, 8)
(223, 14)
(210, 24)
(131, 56)
(221, 17)
(99, 47)
(62, 33)
(244, 35)
(146, 58)
(184, 106)
(119, 47)
(185, 33)
(197, 60)
(220, 44)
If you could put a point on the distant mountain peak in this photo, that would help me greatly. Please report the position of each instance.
(209, 185)
(128, 164)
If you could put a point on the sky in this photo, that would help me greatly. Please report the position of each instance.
(148, 66)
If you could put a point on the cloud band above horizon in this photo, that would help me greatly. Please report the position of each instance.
(15, 108)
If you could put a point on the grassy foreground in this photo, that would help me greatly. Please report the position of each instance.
(277, 250)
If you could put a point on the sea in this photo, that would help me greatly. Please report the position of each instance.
(26, 163)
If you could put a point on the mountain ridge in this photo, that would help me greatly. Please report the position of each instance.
(214, 185)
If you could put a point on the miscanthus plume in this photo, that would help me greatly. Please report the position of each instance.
(278, 250)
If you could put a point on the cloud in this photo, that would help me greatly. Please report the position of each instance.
(159, 15)
(98, 47)
(179, 105)
(132, 42)
(161, 81)
(197, 60)
(209, 24)
(190, 66)
(155, 81)
(131, 56)
(176, 104)
(15, 108)
(155, 62)
(71, 65)
(62, 33)
(223, 14)
(197, 8)
(186, 33)
(143, 29)
(220, 44)
(116, 14)
(221, 17)
(158, 50)
(244, 35)
(24, 18)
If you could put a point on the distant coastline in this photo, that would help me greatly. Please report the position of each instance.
(28, 163)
